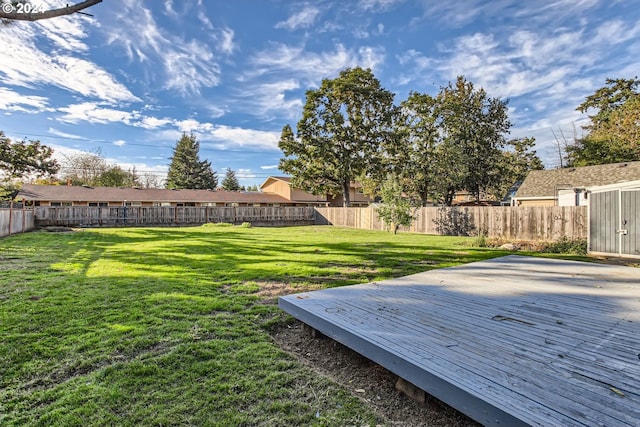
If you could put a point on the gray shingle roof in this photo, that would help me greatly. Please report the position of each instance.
(68, 193)
(545, 183)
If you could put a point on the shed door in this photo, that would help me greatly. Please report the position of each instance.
(603, 222)
(630, 221)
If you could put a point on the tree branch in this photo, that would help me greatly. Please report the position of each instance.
(53, 13)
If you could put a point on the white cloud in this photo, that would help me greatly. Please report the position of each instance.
(192, 125)
(203, 18)
(13, 101)
(119, 142)
(540, 15)
(246, 173)
(311, 67)
(284, 68)
(269, 167)
(93, 113)
(149, 122)
(269, 99)
(26, 63)
(241, 137)
(187, 65)
(303, 19)
(185, 72)
(169, 10)
(220, 137)
(66, 135)
(378, 5)
(225, 41)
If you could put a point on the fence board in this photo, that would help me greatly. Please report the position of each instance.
(515, 223)
(84, 216)
(13, 221)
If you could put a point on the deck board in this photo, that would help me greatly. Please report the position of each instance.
(510, 341)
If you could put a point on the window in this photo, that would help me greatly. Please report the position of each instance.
(98, 204)
(213, 204)
(61, 204)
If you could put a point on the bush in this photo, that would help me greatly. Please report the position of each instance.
(245, 225)
(567, 246)
(481, 240)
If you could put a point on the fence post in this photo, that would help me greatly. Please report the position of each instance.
(10, 217)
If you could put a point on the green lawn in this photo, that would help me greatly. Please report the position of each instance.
(169, 326)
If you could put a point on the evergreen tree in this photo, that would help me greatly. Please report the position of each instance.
(230, 182)
(186, 170)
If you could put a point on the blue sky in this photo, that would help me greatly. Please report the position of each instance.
(132, 78)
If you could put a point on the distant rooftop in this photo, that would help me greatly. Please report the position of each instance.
(542, 183)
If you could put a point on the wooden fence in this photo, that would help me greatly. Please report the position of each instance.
(16, 220)
(513, 223)
(84, 216)
(544, 223)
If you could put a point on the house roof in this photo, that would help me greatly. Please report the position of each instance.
(545, 183)
(72, 193)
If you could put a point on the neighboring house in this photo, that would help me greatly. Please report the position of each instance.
(71, 195)
(281, 186)
(571, 186)
(276, 191)
(511, 193)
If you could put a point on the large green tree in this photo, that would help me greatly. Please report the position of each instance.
(473, 127)
(230, 181)
(413, 152)
(22, 160)
(186, 170)
(613, 134)
(514, 165)
(344, 125)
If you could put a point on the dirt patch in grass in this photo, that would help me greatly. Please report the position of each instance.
(366, 380)
(270, 291)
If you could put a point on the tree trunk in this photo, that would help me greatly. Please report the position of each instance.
(450, 194)
(346, 200)
(424, 198)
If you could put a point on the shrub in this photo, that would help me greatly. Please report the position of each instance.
(481, 240)
(566, 245)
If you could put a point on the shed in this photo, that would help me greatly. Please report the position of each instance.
(614, 220)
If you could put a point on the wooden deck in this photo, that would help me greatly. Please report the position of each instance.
(510, 341)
